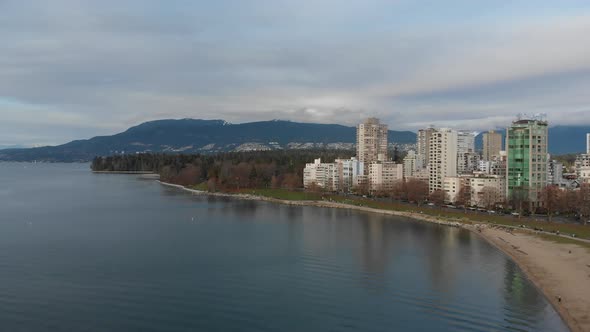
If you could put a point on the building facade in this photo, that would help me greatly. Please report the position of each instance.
(383, 175)
(371, 141)
(452, 187)
(487, 190)
(349, 171)
(443, 157)
(554, 172)
(526, 144)
(423, 145)
(492, 145)
(412, 164)
(318, 175)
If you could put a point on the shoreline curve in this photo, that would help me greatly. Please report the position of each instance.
(542, 261)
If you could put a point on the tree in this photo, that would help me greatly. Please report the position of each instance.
(551, 196)
(417, 191)
(212, 184)
(399, 190)
(489, 197)
(253, 177)
(584, 202)
(518, 197)
(463, 198)
(361, 188)
(437, 197)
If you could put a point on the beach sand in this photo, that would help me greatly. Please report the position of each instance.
(559, 270)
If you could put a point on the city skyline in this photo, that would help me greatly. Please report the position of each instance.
(74, 70)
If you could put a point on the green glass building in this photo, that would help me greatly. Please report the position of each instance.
(526, 144)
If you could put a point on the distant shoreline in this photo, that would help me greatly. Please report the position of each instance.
(556, 277)
(127, 172)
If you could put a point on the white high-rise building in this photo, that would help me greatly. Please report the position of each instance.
(467, 159)
(371, 141)
(422, 145)
(443, 157)
(465, 141)
(588, 143)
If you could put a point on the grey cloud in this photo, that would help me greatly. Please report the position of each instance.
(104, 66)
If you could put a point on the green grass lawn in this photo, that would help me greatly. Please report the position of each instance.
(283, 194)
(201, 186)
(581, 231)
(559, 239)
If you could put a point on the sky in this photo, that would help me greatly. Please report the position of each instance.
(72, 69)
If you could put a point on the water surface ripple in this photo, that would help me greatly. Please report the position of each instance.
(86, 252)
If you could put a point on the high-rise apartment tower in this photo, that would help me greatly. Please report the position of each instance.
(526, 144)
(371, 141)
(492, 145)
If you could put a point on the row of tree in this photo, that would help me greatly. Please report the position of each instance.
(224, 171)
(554, 200)
(284, 169)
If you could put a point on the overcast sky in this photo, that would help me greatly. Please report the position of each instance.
(77, 69)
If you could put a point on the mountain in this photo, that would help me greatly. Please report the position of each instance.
(562, 139)
(201, 136)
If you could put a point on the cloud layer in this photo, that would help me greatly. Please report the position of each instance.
(74, 69)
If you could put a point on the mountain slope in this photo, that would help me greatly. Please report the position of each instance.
(192, 136)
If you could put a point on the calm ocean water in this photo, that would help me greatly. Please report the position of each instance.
(86, 252)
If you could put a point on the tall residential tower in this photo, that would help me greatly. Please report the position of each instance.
(492, 145)
(371, 141)
(442, 161)
(526, 144)
(423, 145)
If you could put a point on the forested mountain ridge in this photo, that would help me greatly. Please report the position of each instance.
(202, 136)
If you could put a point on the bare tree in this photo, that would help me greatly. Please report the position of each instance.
(399, 190)
(489, 197)
(518, 198)
(437, 197)
(551, 199)
(417, 191)
(584, 202)
(361, 188)
(463, 198)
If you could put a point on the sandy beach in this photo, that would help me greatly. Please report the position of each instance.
(561, 271)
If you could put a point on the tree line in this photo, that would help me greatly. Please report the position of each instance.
(223, 171)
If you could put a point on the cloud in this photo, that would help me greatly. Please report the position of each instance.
(84, 68)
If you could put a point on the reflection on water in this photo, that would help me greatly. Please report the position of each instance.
(116, 254)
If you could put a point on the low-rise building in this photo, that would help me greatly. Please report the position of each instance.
(348, 172)
(383, 175)
(452, 187)
(321, 175)
(487, 190)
